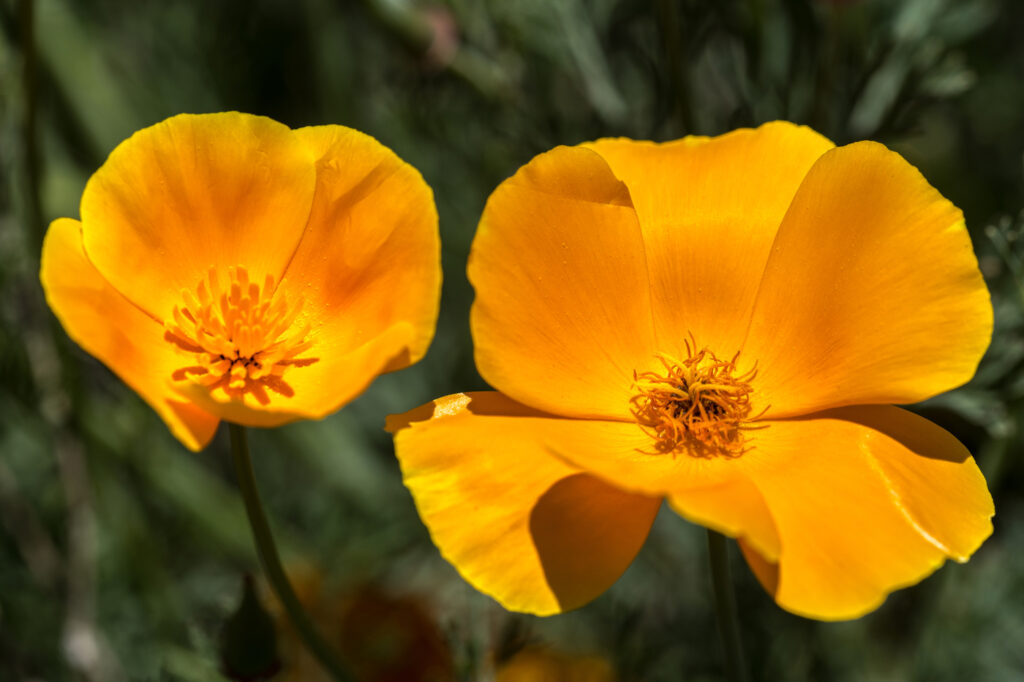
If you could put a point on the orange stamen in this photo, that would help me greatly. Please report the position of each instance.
(700, 403)
(239, 339)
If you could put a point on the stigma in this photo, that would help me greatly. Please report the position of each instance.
(240, 337)
(699, 405)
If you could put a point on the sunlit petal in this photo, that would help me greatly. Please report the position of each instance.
(117, 332)
(562, 313)
(709, 209)
(872, 293)
(865, 500)
(519, 524)
(192, 193)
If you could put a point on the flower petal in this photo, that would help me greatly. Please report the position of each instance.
(865, 500)
(520, 525)
(622, 454)
(709, 209)
(127, 340)
(192, 193)
(712, 491)
(735, 508)
(562, 314)
(766, 572)
(872, 293)
(370, 256)
(368, 274)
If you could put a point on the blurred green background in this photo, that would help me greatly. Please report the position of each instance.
(122, 555)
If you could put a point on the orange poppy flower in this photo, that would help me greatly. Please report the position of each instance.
(227, 267)
(723, 323)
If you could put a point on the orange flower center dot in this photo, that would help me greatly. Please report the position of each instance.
(241, 338)
(699, 405)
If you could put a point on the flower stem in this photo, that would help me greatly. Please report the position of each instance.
(267, 551)
(725, 608)
(672, 38)
(29, 135)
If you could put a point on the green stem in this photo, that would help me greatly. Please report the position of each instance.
(272, 562)
(29, 136)
(675, 56)
(725, 608)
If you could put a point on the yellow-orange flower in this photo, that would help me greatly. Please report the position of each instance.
(541, 664)
(381, 637)
(227, 267)
(723, 323)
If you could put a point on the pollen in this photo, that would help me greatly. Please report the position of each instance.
(240, 338)
(699, 405)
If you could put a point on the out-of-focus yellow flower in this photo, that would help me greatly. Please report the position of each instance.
(381, 637)
(227, 267)
(538, 664)
(723, 323)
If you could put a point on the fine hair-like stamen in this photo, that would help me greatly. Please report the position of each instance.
(698, 405)
(242, 338)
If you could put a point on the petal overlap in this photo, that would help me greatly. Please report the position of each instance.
(709, 209)
(544, 537)
(192, 193)
(562, 325)
(872, 293)
(865, 500)
(370, 255)
(122, 336)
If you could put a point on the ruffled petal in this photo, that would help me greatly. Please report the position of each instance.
(127, 340)
(520, 525)
(872, 293)
(735, 508)
(562, 314)
(709, 209)
(192, 193)
(865, 500)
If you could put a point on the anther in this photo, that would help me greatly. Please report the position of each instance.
(699, 405)
(240, 338)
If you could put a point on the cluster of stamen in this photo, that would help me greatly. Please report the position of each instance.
(241, 338)
(699, 404)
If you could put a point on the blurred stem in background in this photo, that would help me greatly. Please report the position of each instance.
(30, 144)
(267, 550)
(53, 374)
(725, 608)
(438, 42)
(671, 36)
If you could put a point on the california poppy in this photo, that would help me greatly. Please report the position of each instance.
(227, 267)
(723, 323)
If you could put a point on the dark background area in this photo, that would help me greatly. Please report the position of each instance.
(122, 554)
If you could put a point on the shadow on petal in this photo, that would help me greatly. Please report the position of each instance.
(904, 428)
(587, 533)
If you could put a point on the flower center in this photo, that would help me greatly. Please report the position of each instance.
(241, 338)
(699, 402)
